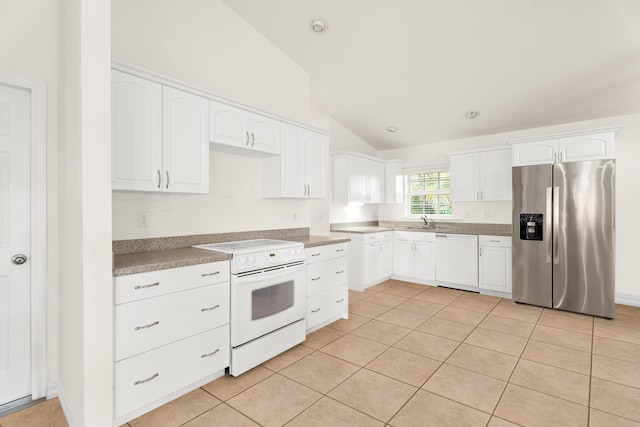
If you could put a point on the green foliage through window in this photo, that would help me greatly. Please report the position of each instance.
(429, 193)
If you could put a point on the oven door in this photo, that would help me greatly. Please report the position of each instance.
(265, 302)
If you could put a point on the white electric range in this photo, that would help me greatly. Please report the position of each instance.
(268, 299)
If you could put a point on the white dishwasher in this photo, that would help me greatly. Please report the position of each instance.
(457, 261)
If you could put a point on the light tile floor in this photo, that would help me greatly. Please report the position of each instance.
(414, 355)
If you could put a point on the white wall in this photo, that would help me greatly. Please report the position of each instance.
(627, 179)
(207, 45)
(29, 30)
(85, 291)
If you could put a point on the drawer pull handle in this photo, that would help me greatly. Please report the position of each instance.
(313, 279)
(210, 274)
(316, 310)
(340, 250)
(210, 354)
(315, 254)
(211, 308)
(137, 328)
(340, 272)
(151, 285)
(495, 241)
(340, 300)
(154, 376)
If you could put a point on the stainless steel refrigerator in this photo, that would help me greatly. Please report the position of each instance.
(563, 236)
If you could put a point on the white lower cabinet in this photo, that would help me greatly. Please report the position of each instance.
(327, 285)
(171, 334)
(414, 256)
(370, 258)
(495, 265)
(158, 374)
(326, 307)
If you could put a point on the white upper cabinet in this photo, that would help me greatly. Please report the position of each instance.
(586, 147)
(159, 137)
(481, 175)
(357, 178)
(234, 129)
(300, 170)
(185, 128)
(393, 177)
(136, 133)
(565, 148)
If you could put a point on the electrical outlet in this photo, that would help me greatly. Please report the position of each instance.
(487, 214)
(143, 219)
(295, 216)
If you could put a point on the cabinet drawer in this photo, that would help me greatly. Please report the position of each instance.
(135, 287)
(417, 236)
(149, 376)
(321, 253)
(378, 237)
(324, 275)
(328, 304)
(144, 325)
(502, 241)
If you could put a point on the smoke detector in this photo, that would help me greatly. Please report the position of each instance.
(318, 24)
(471, 114)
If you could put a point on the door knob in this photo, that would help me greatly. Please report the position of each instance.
(19, 259)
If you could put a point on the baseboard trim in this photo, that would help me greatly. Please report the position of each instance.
(628, 299)
(55, 390)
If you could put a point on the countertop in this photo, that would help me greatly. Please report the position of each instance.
(141, 262)
(443, 228)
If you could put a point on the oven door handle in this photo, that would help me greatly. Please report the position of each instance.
(241, 280)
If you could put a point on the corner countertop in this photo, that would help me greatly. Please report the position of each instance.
(438, 227)
(152, 260)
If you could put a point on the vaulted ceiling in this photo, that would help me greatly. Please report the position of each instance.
(420, 65)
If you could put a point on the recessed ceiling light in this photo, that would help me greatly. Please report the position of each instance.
(392, 129)
(471, 114)
(318, 24)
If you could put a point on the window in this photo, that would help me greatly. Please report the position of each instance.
(428, 192)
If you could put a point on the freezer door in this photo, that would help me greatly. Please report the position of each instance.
(583, 276)
(532, 268)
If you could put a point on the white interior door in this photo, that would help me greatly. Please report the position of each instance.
(15, 316)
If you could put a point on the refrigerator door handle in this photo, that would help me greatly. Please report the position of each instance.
(547, 225)
(556, 224)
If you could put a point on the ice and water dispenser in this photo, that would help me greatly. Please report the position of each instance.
(530, 226)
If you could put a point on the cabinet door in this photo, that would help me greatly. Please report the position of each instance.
(265, 134)
(425, 260)
(393, 177)
(315, 165)
(357, 179)
(136, 133)
(403, 258)
(495, 175)
(185, 143)
(465, 174)
(535, 153)
(495, 269)
(386, 260)
(376, 181)
(371, 271)
(586, 147)
(229, 125)
(292, 162)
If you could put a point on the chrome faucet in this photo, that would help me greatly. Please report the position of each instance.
(427, 221)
